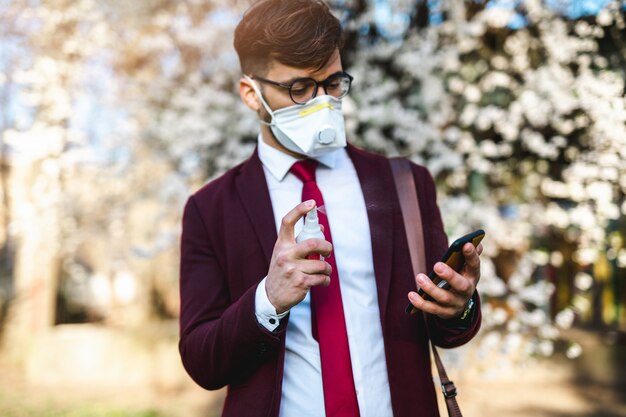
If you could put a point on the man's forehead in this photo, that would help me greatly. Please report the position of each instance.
(281, 72)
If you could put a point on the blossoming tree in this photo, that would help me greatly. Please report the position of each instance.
(523, 127)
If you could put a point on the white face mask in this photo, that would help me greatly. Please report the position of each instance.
(312, 129)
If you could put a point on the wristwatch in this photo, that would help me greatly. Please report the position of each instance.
(468, 309)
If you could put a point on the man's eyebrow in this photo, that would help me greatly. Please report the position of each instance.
(291, 80)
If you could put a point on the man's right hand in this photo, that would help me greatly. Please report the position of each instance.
(291, 274)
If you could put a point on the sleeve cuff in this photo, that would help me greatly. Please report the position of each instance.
(265, 312)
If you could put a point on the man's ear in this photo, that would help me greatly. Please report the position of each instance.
(248, 96)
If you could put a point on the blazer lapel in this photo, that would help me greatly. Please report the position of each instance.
(376, 182)
(255, 197)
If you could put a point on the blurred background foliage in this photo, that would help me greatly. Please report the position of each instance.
(113, 112)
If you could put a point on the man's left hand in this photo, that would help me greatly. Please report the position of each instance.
(450, 303)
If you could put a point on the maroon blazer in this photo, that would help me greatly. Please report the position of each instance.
(227, 240)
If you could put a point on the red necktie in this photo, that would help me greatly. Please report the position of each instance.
(328, 317)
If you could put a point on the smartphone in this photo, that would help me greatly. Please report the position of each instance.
(453, 258)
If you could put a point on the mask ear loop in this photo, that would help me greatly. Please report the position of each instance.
(258, 93)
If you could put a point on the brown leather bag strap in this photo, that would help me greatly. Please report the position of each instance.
(407, 194)
(409, 204)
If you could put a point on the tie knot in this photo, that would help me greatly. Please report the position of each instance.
(304, 170)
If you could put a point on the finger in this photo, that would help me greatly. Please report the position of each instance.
(459, 283)
(440, 296)
(318, 279)
(289, 221)
(314, 267)
(479, 249)
(430, 307)
(458, 279)
(305, 248)
(472, 262)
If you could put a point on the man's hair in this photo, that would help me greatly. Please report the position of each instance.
(296, 33)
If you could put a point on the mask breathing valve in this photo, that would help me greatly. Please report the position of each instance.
(326, 134)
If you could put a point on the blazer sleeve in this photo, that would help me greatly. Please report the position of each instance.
(221, 342)
(444, 333)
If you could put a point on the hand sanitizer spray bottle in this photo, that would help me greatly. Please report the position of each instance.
(311, 230)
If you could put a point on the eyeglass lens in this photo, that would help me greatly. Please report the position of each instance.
(304, 89)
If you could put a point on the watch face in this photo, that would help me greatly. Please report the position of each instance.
(468, 309)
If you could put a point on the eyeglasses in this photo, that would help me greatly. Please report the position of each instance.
(302, 90)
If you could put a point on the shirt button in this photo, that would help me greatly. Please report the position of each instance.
(272, 321)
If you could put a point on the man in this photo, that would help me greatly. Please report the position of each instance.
(288, 334)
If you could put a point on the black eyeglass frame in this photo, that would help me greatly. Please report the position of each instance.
(317, 84)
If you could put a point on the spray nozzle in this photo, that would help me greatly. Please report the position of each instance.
(311, 221)
(311, 230)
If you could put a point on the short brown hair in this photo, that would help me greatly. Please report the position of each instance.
(297, 33)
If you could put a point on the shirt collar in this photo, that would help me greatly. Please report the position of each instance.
(279, 163)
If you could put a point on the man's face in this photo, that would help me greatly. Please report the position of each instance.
(277, 97)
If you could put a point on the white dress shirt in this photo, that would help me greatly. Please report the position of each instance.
(302, 392)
